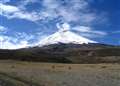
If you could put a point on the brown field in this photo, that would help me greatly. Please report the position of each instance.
(17, 73)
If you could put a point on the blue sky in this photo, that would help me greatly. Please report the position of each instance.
(26, 22)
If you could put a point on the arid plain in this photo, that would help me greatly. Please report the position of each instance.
(18, 73)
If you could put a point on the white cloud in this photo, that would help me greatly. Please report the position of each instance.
(8, 8)
(52, 9)
(73, 11)
(23, 35)
(13, 12)
(82, 29)
(68, 12)
(3, 29)
(63, 27)
(20, 40)
(89, 32)
(6, 42)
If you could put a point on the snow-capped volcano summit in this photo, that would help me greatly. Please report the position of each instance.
(64, 35)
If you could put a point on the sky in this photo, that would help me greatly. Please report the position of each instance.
(26, 22)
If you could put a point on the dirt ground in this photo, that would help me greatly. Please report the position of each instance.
(17, 73)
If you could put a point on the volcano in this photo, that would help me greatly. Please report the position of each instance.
(64, 35)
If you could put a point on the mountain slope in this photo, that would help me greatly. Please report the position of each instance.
(64, 35)
(66, 53)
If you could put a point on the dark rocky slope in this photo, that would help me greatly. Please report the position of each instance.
(66, 53)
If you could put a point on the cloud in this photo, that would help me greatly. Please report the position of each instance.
(63, 27)
(66, 10)
(13, 12)
(7, 42)
(71, 12)
(4, 1)
(8, 8)
(23, 35)
(19, 40)
(89, 32)
(3, 29)
(23, 3)
(26, 2)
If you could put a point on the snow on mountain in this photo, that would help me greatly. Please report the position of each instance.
(64, 35)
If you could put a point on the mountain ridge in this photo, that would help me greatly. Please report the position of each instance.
(64, 35)
(66, 53)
